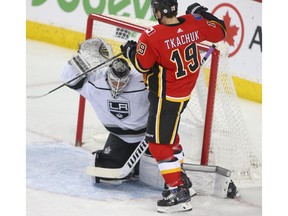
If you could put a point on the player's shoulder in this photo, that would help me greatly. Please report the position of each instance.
(148, 32)
(103, 71)
(191, 17)
(152, 32)
(98, 74)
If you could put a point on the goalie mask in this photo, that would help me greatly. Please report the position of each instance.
(118, 76)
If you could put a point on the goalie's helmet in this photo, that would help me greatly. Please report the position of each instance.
(168, 8)
(118, 76)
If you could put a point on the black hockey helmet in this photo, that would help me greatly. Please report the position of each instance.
(168, 8)
(120, 67)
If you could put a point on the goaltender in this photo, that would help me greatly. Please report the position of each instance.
(118, 96)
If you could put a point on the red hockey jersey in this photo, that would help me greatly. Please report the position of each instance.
(169, 57)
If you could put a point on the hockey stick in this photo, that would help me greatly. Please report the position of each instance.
(119, 173)
(208, 53)
(64, 84)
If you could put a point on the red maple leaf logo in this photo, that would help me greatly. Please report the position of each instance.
(231, 30)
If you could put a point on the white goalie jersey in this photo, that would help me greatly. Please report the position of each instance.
(126, 116)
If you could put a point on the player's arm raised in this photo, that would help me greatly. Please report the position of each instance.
(129, 51)
(196, 8)
(139, 54)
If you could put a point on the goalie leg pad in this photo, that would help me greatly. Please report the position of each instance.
(114, 155)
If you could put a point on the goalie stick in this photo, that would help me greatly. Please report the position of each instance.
(120, 173)
(64, 84)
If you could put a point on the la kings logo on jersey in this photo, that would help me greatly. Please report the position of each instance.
(119, 109)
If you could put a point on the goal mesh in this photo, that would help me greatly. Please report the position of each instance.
(223, 128)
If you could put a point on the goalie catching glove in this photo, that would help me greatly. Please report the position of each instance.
(91, 53)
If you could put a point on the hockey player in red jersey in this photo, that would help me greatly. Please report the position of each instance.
(168, 57)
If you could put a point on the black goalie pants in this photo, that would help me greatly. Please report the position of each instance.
(115, 152)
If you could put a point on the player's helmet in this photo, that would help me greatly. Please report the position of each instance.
(168, 8)
(118, 76)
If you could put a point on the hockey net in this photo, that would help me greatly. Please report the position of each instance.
(212, 128)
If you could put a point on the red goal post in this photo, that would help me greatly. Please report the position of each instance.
(215, 100)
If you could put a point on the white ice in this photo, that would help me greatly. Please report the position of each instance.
(56, 184)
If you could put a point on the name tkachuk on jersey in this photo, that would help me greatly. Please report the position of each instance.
(182, 39)
(175, 73)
